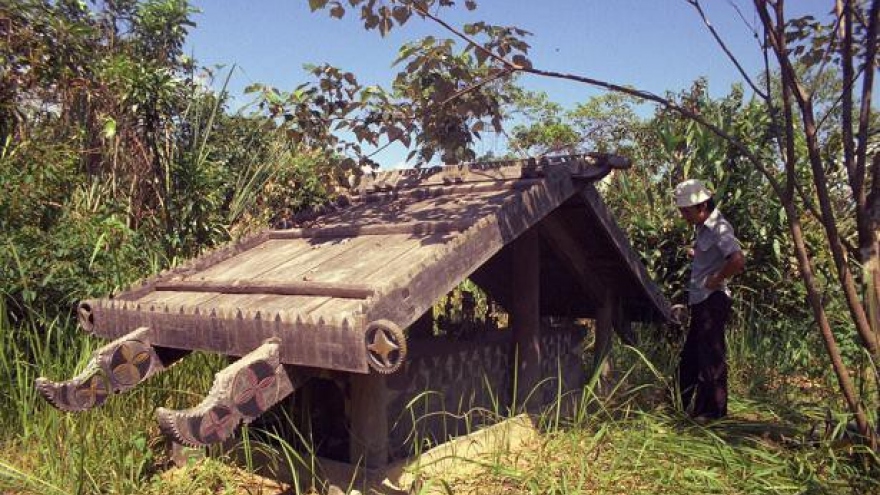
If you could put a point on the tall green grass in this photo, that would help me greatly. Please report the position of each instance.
(112, 449)
(778, 438)
(784, 434)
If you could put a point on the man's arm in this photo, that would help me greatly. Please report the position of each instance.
(734, 265)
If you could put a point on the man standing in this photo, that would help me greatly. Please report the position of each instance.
(717, 256)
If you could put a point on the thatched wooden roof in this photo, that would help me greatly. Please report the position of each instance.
(405, 240)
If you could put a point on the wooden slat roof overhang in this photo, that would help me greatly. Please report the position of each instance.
(386, 255)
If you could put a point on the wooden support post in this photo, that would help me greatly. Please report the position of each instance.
(623, 326)
(525, 317)
(602, 365)
(368, 445)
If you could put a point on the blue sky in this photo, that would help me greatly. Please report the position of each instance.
(655, 45)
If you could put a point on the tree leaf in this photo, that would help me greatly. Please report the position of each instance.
(317, 4)
(401, 14)
(109, 129)
(338, 11)
(522, 61)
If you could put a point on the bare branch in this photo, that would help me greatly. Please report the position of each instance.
(867, 86)
(825, 60)
(845, 32)
(494, 77)
(643, 95)
(807, 201)
(696, 5)
(875, 179)
(671, 105)
(380, 149)
(752, 28)
(836, 103)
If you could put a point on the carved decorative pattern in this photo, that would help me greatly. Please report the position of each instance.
(386, 346)
(130, 363)
(240, 393)
(117, 367)
(471, 380)
(91, 393)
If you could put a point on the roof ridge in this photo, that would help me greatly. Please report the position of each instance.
(523, 168)
(389, 185)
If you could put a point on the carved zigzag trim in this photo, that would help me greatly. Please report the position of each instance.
(241, 392)
(115, 368)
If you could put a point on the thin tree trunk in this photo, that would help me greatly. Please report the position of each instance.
(815, 300)
(868, 237)
(791, 89)
(829, 222)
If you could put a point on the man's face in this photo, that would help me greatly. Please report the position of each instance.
(694, 215)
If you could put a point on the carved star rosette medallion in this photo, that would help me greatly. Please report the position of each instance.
(386, 346)
(255, 389)
(130, 364)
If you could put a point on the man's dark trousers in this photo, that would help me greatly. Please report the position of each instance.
(702, 372)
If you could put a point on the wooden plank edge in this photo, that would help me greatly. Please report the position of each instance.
(294, 288)
(411, 228)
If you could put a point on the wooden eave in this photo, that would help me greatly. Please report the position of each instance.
(387, 253)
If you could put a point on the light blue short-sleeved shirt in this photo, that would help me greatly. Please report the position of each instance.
(715, 241)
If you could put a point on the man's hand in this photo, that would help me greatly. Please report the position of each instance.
(734, 265)
(714, 281)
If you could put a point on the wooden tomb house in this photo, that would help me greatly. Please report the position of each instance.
(337, 312)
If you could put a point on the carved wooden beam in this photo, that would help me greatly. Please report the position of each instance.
(415, 228)
(118, 366)
(241, 392)
(293, 288)
(589, 166)
(419, 193)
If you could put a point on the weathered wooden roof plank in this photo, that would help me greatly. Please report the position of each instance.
(301, 267)
(356, 266)
(255, 261)
(292, 288)
(412, 228)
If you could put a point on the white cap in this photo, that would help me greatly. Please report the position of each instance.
(691, 192)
